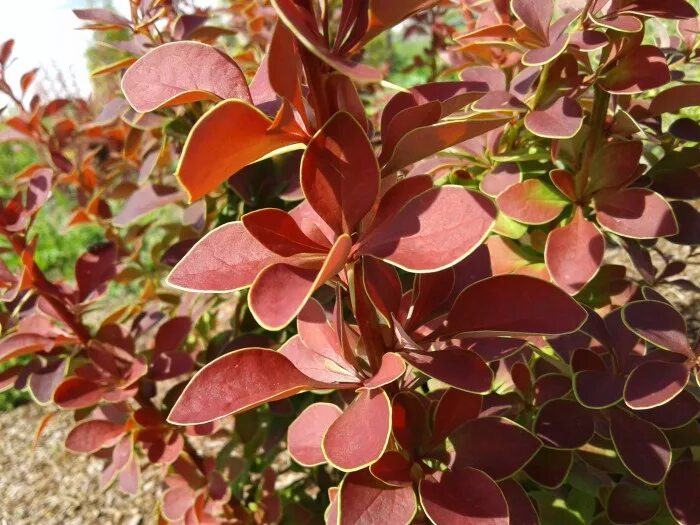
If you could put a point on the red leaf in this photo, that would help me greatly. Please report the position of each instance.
(227, 138)
(363, 499)
(543, 55)
(172, 333)
(90, 436)
(531, 202)
(303, 25)
(487, 306)
(180, 73)
(635, 212)
(320, 362)
(480, 443)
(671, 9)
(95, 267)
(500, 179)
(359, 437)
(559, 120)
(434, 230)
(535, 14)
(16, 345)
(228, 258)
(614, 165)
(455, 367)
(409, 421)
(393, 468)
(574, 253)
(655, 383)
(317, 332)
(454, 409)
(660, 324)
(75, 392)
(682, 491)
(281, 290)
(430, 291)
(428, 140)
(277, 231)
(405, 121)
(383, 286)
(391, 368)
(642, 447)
(641, 69)
(44, 381)
(306, 433)
(675, 98)
(398, 195)
(463, 497)
(130, 476)
(236, 382)
(340, 174)
(176, 502)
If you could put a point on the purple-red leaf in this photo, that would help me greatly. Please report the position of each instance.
(682, 491)
(455, 408)
(306, 433)
(359, 437)
(488, 306)
(520, 507)
(455, 367)
(660, 324)
(278, 232)
(463, 497)
(363, 499)
(655, 383)
(559, 120)
(422, 142)
(434, 230)
(564, 424)
(642, 69)
(598, 388)
(480, 443)
(642, 447)
(228, 258)
(180, 73)
(574, 253)
(340, 174)
(75, 392)
(635, 212)
(281, 290)
(90, 436)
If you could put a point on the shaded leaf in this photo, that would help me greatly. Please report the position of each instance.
(463, 497)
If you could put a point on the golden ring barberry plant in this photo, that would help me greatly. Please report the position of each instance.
(385, 301)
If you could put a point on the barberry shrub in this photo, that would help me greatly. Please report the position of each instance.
(325, 297)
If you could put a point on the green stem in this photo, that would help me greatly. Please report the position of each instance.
(599, 113)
